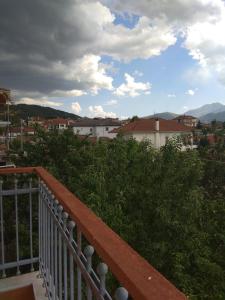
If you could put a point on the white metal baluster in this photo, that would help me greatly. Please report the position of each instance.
(31, 225)
(65, 217)
(79, 248)
(45, 236)
(2, 231)
(40, 220)
(102, 270)
(51, 247)
(71, 227)
(17, 229)
(60, 209)
(121, 294)
(56, 248)
(88, 252)
(48, 242)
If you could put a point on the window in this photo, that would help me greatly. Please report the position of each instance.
(107, 128)
(90, 129)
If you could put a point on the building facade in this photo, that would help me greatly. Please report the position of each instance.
(158, 131)
(98, 127)
(185, 120)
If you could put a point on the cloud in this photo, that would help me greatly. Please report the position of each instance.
(76, 107)
(138, 73)
(42, 102)
(171, 96)
(200, 23)
(57, 45)
(111, 102)
(132, 88)
(97, 111)
(54, 45)
(69, 93)
(190, 92)
(206, 44)
(123, 117)
(184, 12)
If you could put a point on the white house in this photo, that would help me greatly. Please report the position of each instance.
(158, 131)
(97, 127)
(186, 120)
(16, 131)
(58, 124)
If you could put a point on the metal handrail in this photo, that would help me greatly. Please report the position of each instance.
(131, 270)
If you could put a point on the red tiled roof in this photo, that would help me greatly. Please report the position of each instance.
(149, 125)
(57, 121)
(86, 122)
(18, 129)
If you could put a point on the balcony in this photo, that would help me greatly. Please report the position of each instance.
(45, 228)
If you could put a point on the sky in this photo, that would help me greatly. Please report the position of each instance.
(113, 58)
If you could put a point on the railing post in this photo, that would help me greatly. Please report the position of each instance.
(79, 247)
(31, 225)
(88, 252)
(71, 228)
(121, 294)
(40, 221)
(17, 227)
(52, 264)
(102, 270)
(60, 209)
(56, 249)
(65, 217)
(2, 231)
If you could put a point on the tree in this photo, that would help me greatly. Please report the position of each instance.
(165, 203)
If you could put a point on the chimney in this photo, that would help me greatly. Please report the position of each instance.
(157, 124)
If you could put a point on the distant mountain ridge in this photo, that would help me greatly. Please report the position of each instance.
(164, 115)
(220, 117)
(212, 108)
(206, 113)
(24, 111)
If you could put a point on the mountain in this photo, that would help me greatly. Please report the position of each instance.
(23, 111)
(204, 110)
(220, 116)
(164, 115)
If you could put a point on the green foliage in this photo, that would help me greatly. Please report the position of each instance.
(24, 111)
(166, 204)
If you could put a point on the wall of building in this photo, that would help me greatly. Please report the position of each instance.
(82, 130)
(98, 131)
(104, 131)
(157, 141)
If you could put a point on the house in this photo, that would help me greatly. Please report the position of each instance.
(58, 123)
(158, 131)
(26, 131)
(97, 127)
(186, 120)
(36, 121)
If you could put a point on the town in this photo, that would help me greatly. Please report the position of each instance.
(188, 129)
(112, 150)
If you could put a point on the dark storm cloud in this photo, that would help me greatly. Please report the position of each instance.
(38, 34)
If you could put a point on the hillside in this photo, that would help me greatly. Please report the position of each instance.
(164, 115)
(23, 111)
(220, 116)
(204, 110)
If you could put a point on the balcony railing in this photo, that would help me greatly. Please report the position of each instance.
(77, 252)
